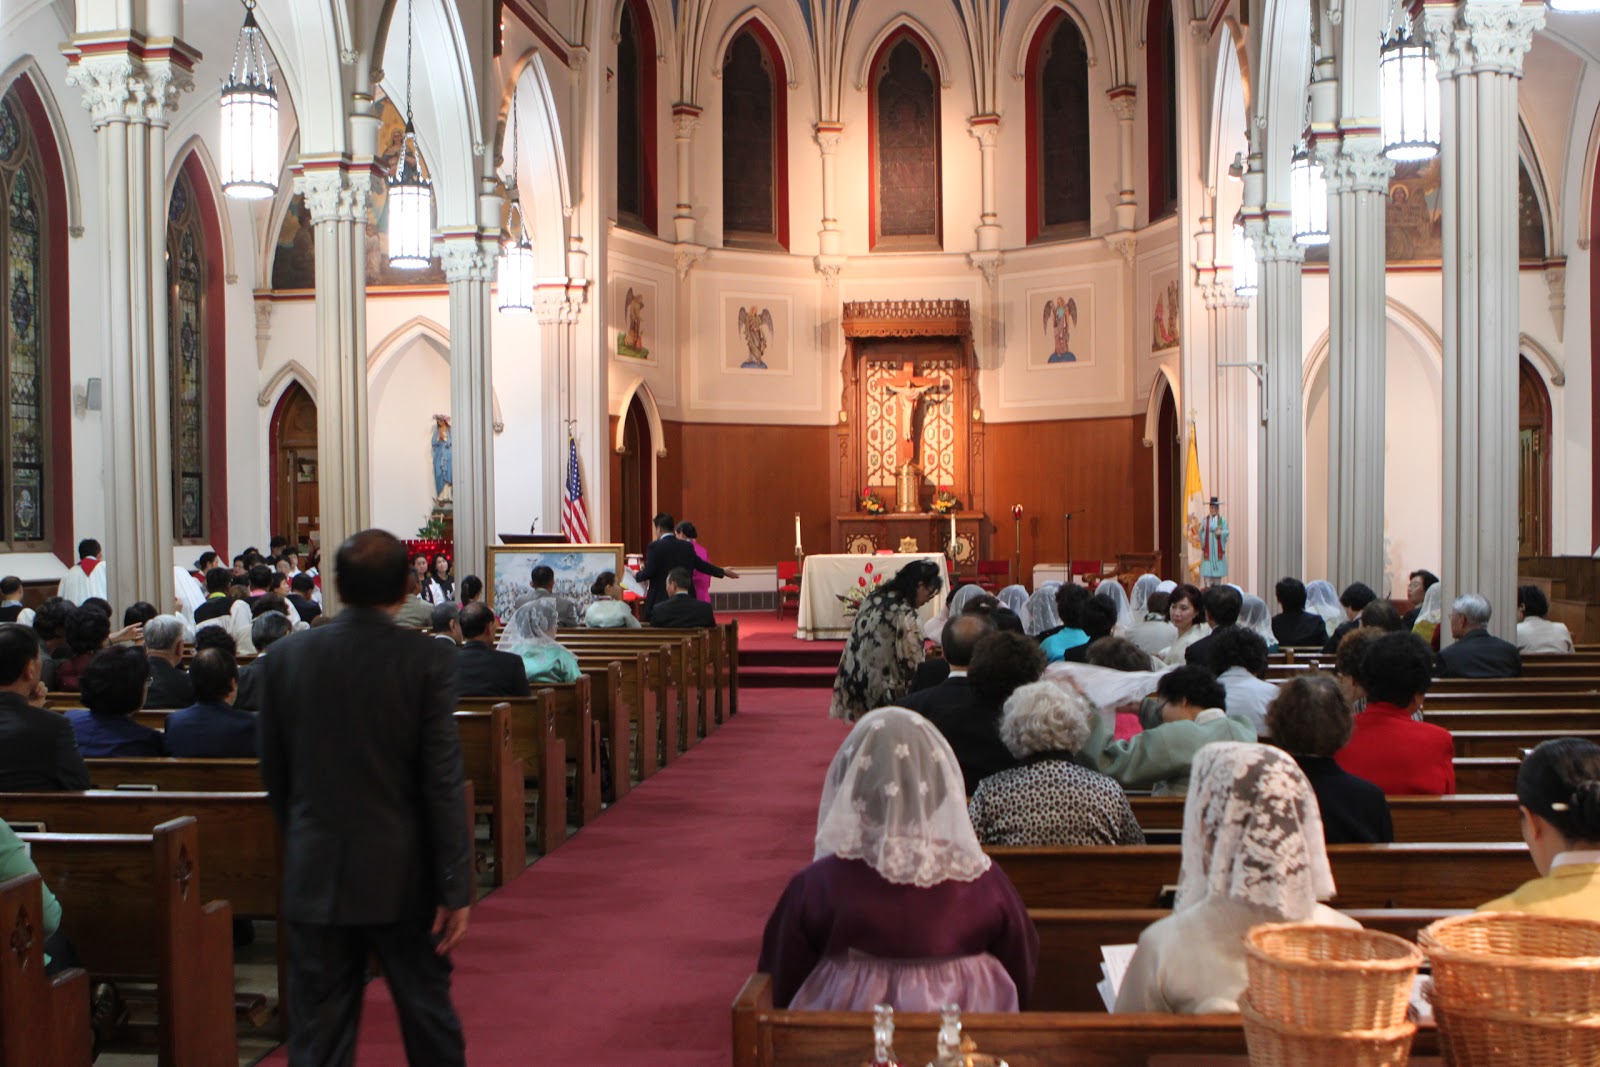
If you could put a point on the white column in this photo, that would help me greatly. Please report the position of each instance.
(336, 196)
(1124, 100)
(129, 95)
(1358, 190)
(1222, 435)
(1281, 543)
(830, 241)
(1479, 46)
(558, 318)
(685, 117)
(469, 268)
(986, 129)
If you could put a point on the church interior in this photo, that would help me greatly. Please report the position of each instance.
(1021, 284)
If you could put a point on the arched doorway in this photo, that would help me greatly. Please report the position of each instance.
(1169, 509)
(637, 488)
(293, 441)
(1533, 470)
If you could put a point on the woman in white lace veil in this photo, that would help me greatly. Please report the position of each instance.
(900, 904)
(1143, 586)
(1039, 615)
(966, 594)
(1253, 615)
(1253, 853)
(1323, 599)
(1430, 614)
(531, 634)
(1014, 597)
(1111, 590)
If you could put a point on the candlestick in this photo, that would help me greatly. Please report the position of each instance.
(952, 537)
(797, 531)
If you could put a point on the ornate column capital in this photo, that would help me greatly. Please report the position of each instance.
(1358, 166)
(334, 194)
(828, 135)
(1481, 35)
(1274, 242)
(685, 117)
(829, 267)
(122, 86)
(985, 128)
(553, 306)
(467, 259)
(1124, 102)
(1125, 245)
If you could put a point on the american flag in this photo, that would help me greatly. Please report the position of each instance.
(574, 523)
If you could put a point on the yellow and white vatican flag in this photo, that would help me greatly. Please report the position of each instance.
(1194, 504)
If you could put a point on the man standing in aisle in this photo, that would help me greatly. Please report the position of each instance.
(360, 756)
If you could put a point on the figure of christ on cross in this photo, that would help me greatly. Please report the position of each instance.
(906, 391)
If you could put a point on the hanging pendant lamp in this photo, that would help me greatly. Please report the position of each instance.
(514, 265)
(1308, 196)
(1574, 7)
(410, 192)
(1410, 85)
(249, 112)
(1245, 272)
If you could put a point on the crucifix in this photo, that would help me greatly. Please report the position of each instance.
(906, 391)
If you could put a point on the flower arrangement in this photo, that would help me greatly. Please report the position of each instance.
(872, 503)
(944, 501)
(852, 597)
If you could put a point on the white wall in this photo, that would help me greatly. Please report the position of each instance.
(407, 389)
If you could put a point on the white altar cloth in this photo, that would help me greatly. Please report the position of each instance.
(827, 578)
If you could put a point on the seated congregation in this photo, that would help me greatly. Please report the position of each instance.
(981, 792)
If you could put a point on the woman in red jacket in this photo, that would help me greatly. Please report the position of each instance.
(1390, 747)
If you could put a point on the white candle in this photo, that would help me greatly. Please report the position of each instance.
(952, 534)
(797, 529)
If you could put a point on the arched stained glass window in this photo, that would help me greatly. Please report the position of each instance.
(187, 348)
(754, 131)
(1059, 152)
(23, 342)
(636, 125)
(904, 130)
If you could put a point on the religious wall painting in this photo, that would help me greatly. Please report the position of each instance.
(1058, 327)
(910, 418)
(1166, 328)
(294, 260)
(508, 586)
(1530, 218)
(634, 318)
(756, 335)
(755, 331)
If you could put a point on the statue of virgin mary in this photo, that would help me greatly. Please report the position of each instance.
(441, 456)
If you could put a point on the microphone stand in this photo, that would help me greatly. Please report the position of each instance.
(1068, 517)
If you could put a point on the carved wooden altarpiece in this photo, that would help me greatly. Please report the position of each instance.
(928, 343)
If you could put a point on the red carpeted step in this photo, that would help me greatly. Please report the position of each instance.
(786, 677)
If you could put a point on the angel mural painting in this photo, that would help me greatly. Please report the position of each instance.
(630, 342)
(1060, 316)
(441, 457)
(755, 327)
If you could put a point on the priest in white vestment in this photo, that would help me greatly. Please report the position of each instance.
(87, 577)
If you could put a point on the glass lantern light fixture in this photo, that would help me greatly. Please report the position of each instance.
(1308, 196)
(410, 191)
(514, 265)
(1245, 270)
(249, 112)
(1574, 7)
(1410, 85)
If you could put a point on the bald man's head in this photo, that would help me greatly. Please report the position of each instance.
(961, 635)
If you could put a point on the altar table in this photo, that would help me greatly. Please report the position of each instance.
(826, 578)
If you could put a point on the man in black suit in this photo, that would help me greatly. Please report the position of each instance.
(482, 670)
(301, 586)
(38, 753)
(268, 629)
(666, 554)
(1477, 653)
(1223, 604)
(170, 686)
(681, 611)
(1294, 626)
(362, 763)
(968, 722)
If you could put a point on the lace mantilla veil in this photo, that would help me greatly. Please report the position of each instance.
(894, 798)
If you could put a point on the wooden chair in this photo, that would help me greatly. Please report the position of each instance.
(1084, 568)
(788, 586)
(993, 574)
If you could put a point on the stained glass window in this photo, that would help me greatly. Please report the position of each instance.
(1061, 82)
(186, 284)
(749, 142)
(905, 131)
(635, 65)
(23, 340)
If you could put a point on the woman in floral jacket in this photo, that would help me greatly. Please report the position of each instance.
(885, 644)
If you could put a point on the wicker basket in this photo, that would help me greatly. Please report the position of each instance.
(1486, 1038)
(1277, 1044)
(1513, 963)
(1328, 978)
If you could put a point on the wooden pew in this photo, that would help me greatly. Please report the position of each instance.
(1511, 742)
(1502, 717)
(133, 905)
(1464, 818)
(169, 773)
(1487, 774)
(767, 1037)
(654, 690)
(1541, 683)
(637, 745)
(568, 709)
(1070, 943)
(680, 714)
(43, 1021)
(1521, 699)
(1431, 875)
(492, 767)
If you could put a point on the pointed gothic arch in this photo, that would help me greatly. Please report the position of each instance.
(437, 337)
(755, 137)
(27, 67)
(905, 176)
(543, 192)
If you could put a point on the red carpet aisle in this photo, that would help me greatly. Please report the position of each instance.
(626, 946)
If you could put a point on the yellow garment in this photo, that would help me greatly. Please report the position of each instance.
(1570, 891)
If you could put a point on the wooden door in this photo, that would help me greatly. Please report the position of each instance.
(637, 488)
(1169, 507)
(296, 510)
(1533, 462)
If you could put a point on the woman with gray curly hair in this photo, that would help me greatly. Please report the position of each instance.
(1050, 799)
